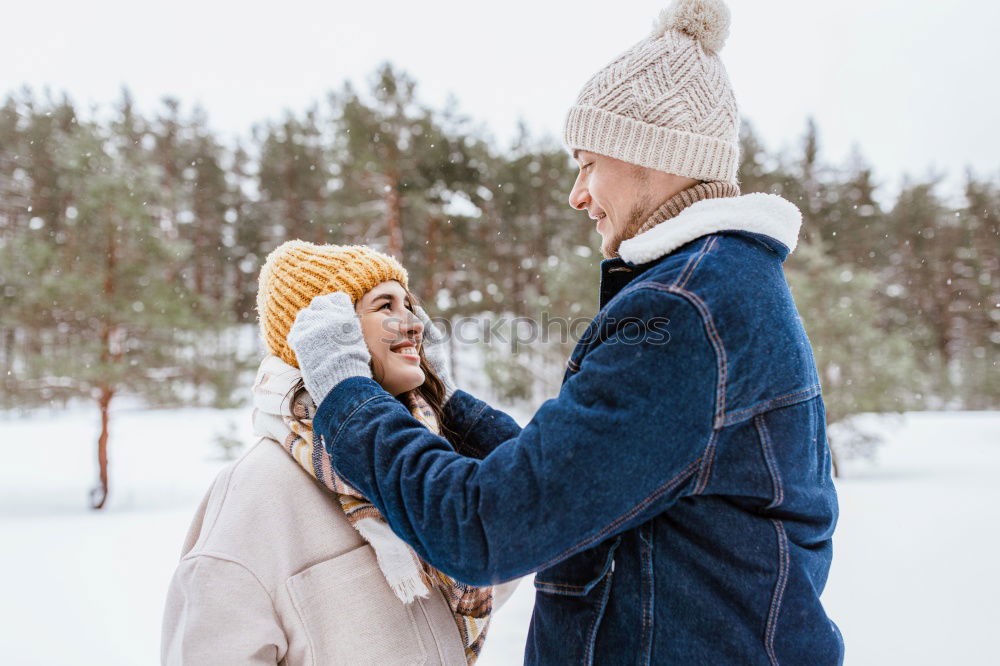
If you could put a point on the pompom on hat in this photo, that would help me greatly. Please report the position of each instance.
(297, 272)
(706, 21)
(666, 103)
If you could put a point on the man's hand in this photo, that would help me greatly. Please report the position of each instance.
(434, 345)
(327, 340)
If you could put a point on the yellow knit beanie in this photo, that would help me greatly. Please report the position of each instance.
(296, 272)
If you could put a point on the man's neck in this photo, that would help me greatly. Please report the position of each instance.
(673, 206)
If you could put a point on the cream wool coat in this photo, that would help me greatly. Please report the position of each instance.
(272, 573)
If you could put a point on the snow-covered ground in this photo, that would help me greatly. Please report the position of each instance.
(915, 577)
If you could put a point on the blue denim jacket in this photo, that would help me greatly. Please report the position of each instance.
(675, 498)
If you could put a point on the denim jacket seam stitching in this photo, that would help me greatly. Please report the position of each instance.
(716, 341)
(343, 423)
(692, 261)
(714, 338)
(543, 585)
(684, 270)
(679, 478)
(707, 458)
(779, 591)
(766, 446)
(568, 586)
(647, 609)
(595, 621)
(774, 403)
(705, 249)
(564, 586)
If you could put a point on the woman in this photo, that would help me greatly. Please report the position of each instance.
(261, 579)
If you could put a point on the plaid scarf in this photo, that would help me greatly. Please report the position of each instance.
(287, 419)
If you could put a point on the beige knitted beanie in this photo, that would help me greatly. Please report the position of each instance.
(666, 103)
(297, 272)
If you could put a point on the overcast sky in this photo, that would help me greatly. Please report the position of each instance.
(912, 83)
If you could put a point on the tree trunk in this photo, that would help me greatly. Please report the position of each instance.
(394, 205)
(7, 366)
(452, 365)
(99, 494)
(111, 351)
(430, 258)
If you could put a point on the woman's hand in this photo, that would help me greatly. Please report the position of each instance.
(435, 349)
(327, 340)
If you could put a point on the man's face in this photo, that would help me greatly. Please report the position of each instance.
(615, 194)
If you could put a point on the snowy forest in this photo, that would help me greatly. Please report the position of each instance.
(130, 245)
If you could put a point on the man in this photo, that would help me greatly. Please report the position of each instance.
(675, 498)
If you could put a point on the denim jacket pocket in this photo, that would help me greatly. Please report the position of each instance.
(577, 575)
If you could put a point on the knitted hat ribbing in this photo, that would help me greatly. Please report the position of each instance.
(666, 103)
(296, 272)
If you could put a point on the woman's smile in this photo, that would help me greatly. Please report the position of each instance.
(407, 350)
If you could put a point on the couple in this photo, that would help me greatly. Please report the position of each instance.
(674, 499)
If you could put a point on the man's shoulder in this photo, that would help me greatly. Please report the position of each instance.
(737, 282)
(721, 270)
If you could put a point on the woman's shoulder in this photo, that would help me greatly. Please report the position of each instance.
(270, 467)
(266, 513)
(266, 524)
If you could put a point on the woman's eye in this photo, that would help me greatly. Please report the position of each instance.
(385, 306)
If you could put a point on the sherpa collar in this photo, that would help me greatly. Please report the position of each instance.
(759, 213)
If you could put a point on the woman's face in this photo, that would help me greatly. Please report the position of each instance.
(393, 335)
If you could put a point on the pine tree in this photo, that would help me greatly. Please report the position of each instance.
(113, 314)
(861, 368)
(975, 279)
(96, 316)
(395, 164)
(246, 230)
(758, 171)
(919, 276)
(856, 222)
(293, 177)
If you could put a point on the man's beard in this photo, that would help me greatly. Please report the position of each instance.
(636, 218)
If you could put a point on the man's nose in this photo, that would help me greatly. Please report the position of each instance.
(579, 196)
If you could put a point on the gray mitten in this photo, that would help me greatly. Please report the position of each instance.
(327, 340)
(435, 349)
